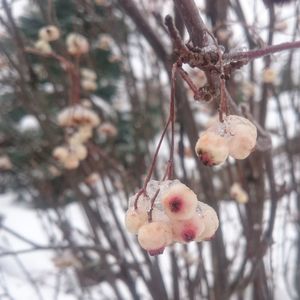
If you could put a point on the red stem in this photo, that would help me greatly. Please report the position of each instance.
(252, 54)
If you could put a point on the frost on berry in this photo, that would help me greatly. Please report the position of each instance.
(238, 193)
(179, 202)
(212, 148)
(210, 219)
(243, 135)
(188, 230)
(155, 236)
(134, 219)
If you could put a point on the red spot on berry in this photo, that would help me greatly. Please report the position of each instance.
(188, 235)
(155, 252)
(206, 160)
(175, 204)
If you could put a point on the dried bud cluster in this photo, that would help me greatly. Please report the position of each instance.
(177, 216)
(236, 136)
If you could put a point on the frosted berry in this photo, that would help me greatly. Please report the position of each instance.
(211, 221)
(212, 148)
(134, 219)
(179, 202)
(243, 135)
(155, 236)
(188, 230)
(49, 33)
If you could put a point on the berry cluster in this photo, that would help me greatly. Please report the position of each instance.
(47, 34)
(80, 121)
(88, 79)
(235, 136)
(175, 216)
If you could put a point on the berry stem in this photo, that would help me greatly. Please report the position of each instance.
(153, 163)
(172, 117)
(152, 205)
(252, 54)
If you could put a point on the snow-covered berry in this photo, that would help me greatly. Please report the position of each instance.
(155, 236)
(243, 135)
(188, 230)
(134, 219)
(210, 220)
(179, 202)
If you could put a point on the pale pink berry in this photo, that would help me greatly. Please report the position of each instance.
(238, 193)
(5, 163)
(155, 236)
(211, 222)
(43, 46)
(77, 44)
(188, 230)
(60, 153)
(88, 74)
(49, 33)
(89, 85)
(243, 135)
(179, 202)
(134, 219)
(71, 163)
(212, 148)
